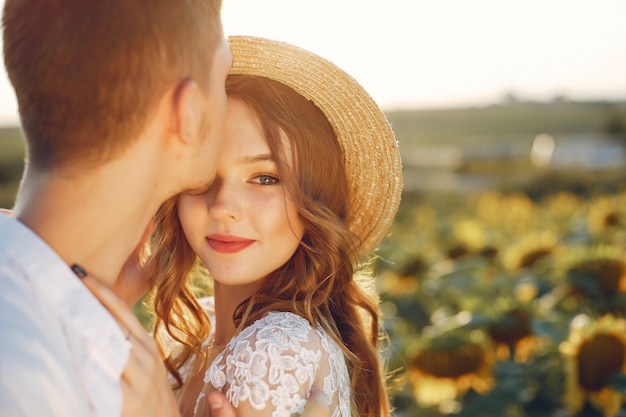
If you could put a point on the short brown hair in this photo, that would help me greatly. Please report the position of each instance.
(87, 74)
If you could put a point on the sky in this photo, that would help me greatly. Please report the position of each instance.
(445, 53)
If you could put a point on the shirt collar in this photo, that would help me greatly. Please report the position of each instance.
(78, 307)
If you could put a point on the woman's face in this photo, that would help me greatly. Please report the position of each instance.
(245, 226)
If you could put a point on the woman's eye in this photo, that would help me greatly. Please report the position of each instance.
(265, 179)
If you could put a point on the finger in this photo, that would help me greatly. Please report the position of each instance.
(144, 360)
(116, 306)
(129, 393)
(133, 281)
(145, 378)
(142, 365)
(6, 211)
(316, 405)
(219, 405)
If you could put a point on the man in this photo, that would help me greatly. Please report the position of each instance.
(122, 104)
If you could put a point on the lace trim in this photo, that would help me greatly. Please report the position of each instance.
(274, 363)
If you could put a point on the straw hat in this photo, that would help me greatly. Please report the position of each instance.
(371, 155)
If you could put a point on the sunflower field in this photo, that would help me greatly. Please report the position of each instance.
(503, 305)
(508, 299)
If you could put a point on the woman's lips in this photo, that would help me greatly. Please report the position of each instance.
(228, 244)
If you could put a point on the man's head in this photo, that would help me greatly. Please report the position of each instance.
(89, 74)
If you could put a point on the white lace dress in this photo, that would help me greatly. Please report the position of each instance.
(269, 368)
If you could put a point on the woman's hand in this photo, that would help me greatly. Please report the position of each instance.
(316, 405)
(133, 281)
(145, 386)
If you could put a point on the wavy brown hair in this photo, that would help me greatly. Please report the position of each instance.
(320, 281)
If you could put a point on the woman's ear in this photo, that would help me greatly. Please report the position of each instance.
(186, 111)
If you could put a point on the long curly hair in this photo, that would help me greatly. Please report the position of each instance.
(322, 282)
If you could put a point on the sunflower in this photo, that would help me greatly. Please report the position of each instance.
(470, 232)
(457, 251)
(604, 215)
(393, 284)
(525, 291)
(599, 277)
(596, 272)
(512, 333)
(594, 351)
(448, 366)
(512, 213)
(562, 205)
(529, 250)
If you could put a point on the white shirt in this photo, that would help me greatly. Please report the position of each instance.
(61, 352)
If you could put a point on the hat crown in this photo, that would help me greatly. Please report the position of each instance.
(371, 155)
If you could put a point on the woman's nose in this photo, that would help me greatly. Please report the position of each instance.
(224, 202)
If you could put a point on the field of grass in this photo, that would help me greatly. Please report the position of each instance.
(498, 123)
(11, 164)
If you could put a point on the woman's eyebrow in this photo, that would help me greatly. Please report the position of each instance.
(256, 158)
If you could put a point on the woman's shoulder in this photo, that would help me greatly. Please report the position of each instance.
(281, 356)
(282, 331)
(284, 343)
(282, 320)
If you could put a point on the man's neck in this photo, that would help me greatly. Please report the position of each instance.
(94, 219)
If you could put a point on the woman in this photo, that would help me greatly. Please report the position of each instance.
(308, 182)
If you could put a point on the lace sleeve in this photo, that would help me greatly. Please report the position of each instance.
(270, 367)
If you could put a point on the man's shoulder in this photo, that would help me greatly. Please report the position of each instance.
(33, 347)
(21, 248)
(25, 317)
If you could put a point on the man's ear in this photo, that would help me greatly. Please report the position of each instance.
(186, 111)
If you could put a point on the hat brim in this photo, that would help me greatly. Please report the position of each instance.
(371, 155)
